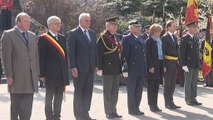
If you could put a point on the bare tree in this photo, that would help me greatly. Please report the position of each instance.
(69, 11)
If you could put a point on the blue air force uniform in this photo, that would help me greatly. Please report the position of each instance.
(135, 57)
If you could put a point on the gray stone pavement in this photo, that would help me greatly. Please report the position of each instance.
(204, 112)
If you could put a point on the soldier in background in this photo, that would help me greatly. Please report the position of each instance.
(109, 52)
(202, 36)
(41, 30)
(146, 32)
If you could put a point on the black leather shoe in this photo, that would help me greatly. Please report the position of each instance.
(175, 106)
(116, 115)
(170, 107)
(190, 103)
(136, 113)
(154, 108)
(89, 118)
(158, 109)
(110, 116)
(197, 103)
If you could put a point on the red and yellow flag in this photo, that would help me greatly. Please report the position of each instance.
(207, 51)
(191, 12)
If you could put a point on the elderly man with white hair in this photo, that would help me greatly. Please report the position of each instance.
(134, 54)
(53, 67)
(83, 61)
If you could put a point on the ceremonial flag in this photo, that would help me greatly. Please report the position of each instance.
(192, 12)
(207, 55)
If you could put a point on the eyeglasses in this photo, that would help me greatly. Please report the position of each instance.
(56, 23)
(87, 20)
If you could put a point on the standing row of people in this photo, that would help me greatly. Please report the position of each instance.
(148, 59)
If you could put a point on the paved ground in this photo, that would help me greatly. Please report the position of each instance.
(204, 112)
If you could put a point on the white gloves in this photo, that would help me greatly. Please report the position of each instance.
(185, 68)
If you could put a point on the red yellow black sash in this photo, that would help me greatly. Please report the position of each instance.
(114, 42)
(55, 44)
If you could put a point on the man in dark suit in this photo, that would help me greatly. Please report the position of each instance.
(170, 51)
(109, 52)
(134, 54)
(53, 67)
(189, 55)
(84, 64)
(20, 60)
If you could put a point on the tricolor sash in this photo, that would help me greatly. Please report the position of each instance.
(55, 44)
(114, 42)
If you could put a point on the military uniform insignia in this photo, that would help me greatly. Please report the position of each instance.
(115, 45)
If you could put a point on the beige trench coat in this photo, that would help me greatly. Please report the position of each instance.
(20, 62)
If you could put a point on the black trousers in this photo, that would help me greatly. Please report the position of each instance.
(170, 81)
(21, 106)
(83, 85)
(6, 20)
(152, 91)
(53, 100)
(134, 92)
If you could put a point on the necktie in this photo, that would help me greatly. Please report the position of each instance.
(174, 38)
(25, 37)
(87, 37)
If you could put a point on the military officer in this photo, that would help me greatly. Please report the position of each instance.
(189, 55)
(134, 55)
(109, 52)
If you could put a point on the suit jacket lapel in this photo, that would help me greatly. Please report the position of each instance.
(170, 39)
(137, 40)
(133, 37)
(20, 35)
(93, 41)
(141, 40)
(82, 35)
(30, 40)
